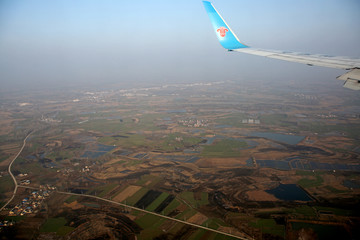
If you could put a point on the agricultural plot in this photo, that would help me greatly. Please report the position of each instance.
(307, 183)
(103, 190)
(136, 196)
(171, 207)
(178, 141)
(147, 199)
(128, 192)
(148, 180)
(157, 202)
(224, 148)
(323, 231)
(234, 120)
(269, 226)
(164, 204)
(55, 225)
(195, 199)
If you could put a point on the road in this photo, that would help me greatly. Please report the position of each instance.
(110, 201)
(145, 211)
(156, 214)
(12, 175)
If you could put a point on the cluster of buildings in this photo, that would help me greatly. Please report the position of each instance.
(194, 123)
(250, 121)
(5, 223)
(25, 182)
(30, 204)
(49, 119)
(327, 115)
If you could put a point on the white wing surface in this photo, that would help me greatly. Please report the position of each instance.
(229, 41)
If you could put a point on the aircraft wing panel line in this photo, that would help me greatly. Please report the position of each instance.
(333, 62)
(230, 41)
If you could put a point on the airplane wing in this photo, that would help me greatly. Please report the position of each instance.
(230, 41)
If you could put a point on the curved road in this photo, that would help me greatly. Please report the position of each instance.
(12, 175)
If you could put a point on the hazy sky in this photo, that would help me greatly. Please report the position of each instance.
(67, 42)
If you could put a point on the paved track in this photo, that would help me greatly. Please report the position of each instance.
(12, 175)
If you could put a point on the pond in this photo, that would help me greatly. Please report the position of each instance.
(289, 192)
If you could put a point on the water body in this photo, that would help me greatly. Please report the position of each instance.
(179, 158)
(276, 164)
(351, 184)
(100, 150)
(303, 164)
(289, 192)
(176, 111)
(223, 126)
(283, 138)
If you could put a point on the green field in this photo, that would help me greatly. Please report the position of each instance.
(4, 158)
(334, 190)
(188, 213)
(307, 183)
(204, 198)
(224, 148)
(336, 211)
(323, 231)
(136, 197)
(71, 199)
(269, 226)
(189, 198)
(351, 130)
(157, 201)
(101, 191)
(149, 180)
(305, 211)
(275, 119)
(132, 140)
(6, 184)
(53, 224)
(172, 206)
(234, 120)
(171, 144)
(64, 230)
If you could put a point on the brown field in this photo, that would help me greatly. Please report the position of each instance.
(74, 205)
(260, 195)
(220, 162)
(128, 192)
(198, 218)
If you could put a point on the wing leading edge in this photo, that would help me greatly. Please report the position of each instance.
(229, 41)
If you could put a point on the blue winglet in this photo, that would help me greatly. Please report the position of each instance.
(224, 33)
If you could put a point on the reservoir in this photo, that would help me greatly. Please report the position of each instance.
(289, 192)
(283, 138)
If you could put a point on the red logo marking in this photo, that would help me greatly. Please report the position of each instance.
(222, 31)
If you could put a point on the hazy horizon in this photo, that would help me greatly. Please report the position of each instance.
(97, 43)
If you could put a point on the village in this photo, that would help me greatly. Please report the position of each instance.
(32, 203)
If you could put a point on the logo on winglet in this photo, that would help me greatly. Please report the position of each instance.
(222, 31)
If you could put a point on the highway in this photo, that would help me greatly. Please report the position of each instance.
(12, 175)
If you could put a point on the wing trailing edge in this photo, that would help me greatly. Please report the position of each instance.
(229, 41)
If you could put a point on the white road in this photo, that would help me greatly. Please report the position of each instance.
(12, 175)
